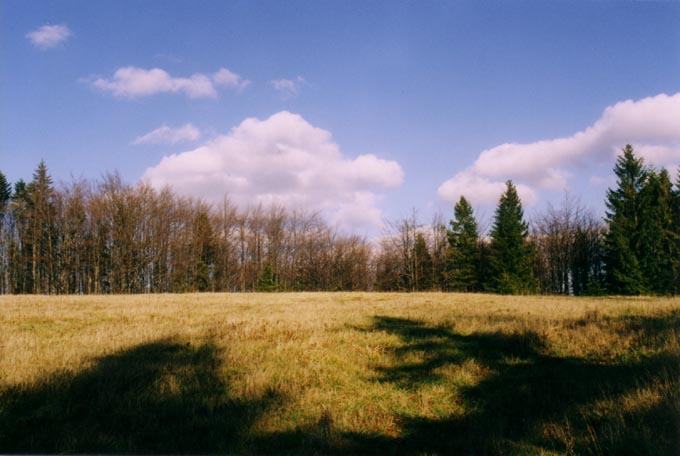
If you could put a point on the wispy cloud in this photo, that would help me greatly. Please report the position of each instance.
(49, 36)
(283, 160)
(167, 135)
(651, 125)
(288, 87)
(133, 82)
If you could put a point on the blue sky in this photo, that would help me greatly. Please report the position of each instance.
(364, 109)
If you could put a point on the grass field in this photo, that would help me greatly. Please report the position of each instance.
(339, 373)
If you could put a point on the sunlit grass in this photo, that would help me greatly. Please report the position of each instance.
(339, 372)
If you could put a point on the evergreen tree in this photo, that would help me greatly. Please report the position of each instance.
(511, 253)
(5, 193)
(266, 281)
(5, 196)
(21, 249)
(658, 253)
(624, 213)
(204, 240)
(463, 262)
(676, 224)
(42, 215)
(423, 264)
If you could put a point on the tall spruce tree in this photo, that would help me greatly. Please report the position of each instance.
(510, 251)
(658, 253)
(5, 196)
(464, 256)
(5, 193)
(624, 214)
(423, 264)
(21, 247)
(676, 224)
(42, 215)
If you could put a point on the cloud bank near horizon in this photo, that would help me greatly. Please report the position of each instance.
(287, 161)
(651, 125)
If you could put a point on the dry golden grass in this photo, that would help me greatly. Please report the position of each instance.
(339, 372)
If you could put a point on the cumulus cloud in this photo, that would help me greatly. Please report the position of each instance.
(167, 135)
(651, 125)
(133, 82)
(282, 160)
(230, 80)
(288, 87)
(49, 36)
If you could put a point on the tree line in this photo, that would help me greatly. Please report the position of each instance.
(110, 237)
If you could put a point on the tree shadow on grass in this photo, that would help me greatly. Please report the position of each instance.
(526, 390)
(528, 402)
(160, 397)
(170, 397)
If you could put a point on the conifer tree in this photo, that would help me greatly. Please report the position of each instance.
(624, 212)
(42, 214)
(5, 193)
(658, 253)
(204, 250)
(676, 224)
(21, 247)
(5, 196)
(510, 252)
(464, 252)
(423, 264)
(266, 281)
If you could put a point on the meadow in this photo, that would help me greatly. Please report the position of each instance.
(326, 373)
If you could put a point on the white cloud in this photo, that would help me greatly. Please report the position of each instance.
(651, 125)
(167, 135)
(230, 80)
(288, 87)
(481, 190)
(283, 160)
(49, 36)
(133, 82)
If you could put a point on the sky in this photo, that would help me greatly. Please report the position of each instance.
(362, 110)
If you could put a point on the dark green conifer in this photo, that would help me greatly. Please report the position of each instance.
(5, 193)
(423, 264)
(463, 262)
(42, 224)
(658, 253)
(510, 252)
(624, 212)
(676, 224)
(266, 281)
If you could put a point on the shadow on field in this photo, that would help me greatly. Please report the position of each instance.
(528, 403)
(161, 397)
(515, 407)
(169, 397)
